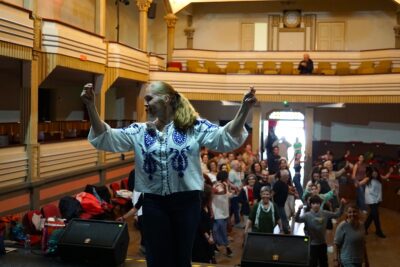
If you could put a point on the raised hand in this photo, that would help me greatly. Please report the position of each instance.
(250, 97)
(87, 94)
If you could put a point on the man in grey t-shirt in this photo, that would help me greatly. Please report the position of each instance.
(315, 221)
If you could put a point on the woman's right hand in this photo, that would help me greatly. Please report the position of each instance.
(87, 94)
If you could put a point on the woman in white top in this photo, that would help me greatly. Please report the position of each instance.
(220, 206)
(373, 196)
(168, 169)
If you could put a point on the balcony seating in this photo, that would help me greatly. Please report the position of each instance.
(232, 67)
(269, 67)
(287, 68)
(250, 67)
(383, 66)
(212, 67)
(194, 66)
(325, 68)
(343, 68)
(366, 67)
(174, 66)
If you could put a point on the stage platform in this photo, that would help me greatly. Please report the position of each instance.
(23, 258)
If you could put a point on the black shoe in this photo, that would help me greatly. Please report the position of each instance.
(380, 234)
(229, 252)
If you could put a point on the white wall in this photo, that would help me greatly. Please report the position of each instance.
(364, 29)
(218, 26)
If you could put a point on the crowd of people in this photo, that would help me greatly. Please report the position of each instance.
(198, 195)
(248, 195)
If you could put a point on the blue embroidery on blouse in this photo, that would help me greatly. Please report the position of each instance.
(206, 126)
(149, 163)
(149, 139)
(179, 160)
(132, 129)
(179, 137)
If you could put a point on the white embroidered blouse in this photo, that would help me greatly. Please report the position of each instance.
(167, 161)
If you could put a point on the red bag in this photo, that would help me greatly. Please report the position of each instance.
(90, 204)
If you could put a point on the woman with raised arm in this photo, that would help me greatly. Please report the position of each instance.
(167, 161)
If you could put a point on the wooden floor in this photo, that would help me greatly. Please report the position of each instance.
(382, 252)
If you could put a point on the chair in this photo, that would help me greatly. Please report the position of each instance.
(50, 210)
(250, 67)
(383, 66)
(124, 184)
(194, 66)
(269, 67)
(212, 67)
(325, 68)
(174, 66)
(286, 68)
(343, 68)
(232, 67)
(366, 67)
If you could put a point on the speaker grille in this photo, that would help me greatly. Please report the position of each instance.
(88, 233)
(278, 249)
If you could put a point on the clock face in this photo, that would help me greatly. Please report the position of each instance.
(291, 19)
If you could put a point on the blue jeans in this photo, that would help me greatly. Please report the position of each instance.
(169, 224)
(235, 209)
(220, 232)
(297, 184)
(361, 197)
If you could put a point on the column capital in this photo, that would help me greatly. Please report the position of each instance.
(275, 21)
(308, 20)
(143, 5)
(170, 19)
(189, 32)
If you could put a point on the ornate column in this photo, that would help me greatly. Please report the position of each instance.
(100, 23)
(170, 19)
(309, 132)
(189, 32)
(273, 32)
(397, 29)
(30, 105)
(143, 6)
(309, 25)
(256, 122)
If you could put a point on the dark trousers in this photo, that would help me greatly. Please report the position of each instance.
(373, 216)
(235, 209)
(318, 256)
(297, 184)
(361, 197)
(169, 224)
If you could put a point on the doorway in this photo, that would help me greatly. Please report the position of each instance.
(288, 125)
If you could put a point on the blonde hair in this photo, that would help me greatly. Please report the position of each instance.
(184, 113)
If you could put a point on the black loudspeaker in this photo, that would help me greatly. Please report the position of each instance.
(275, 250)
(103, 243)
(151, 13)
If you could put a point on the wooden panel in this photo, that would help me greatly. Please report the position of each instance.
(110, 174)
(247, 40)
(16, 26)
(338, 33)
(65, 157)
(123, 57)
(70, 186)
(277, 88)
(13, 165)
(61, 39)
(14, 202)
